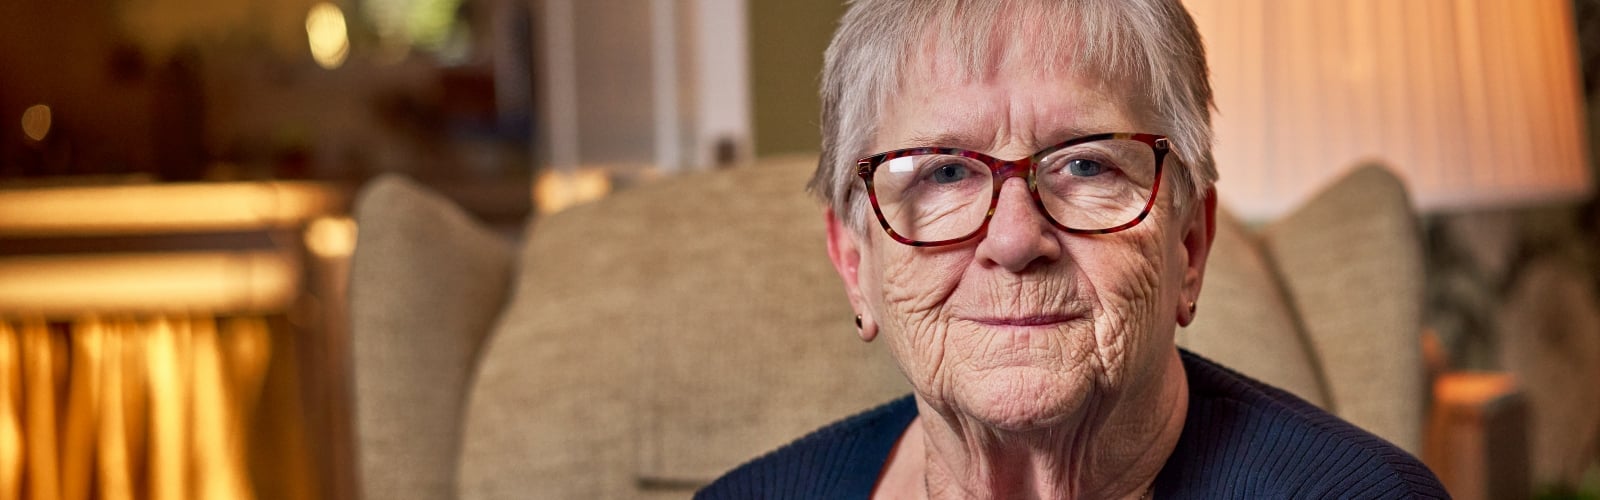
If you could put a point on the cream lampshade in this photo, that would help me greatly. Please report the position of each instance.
(1474, 102)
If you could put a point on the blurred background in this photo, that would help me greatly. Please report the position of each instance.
(176, 178)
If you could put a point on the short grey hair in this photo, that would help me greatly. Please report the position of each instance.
(1149, 47)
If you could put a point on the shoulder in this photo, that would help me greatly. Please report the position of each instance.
(840, 460)
(1245, 437)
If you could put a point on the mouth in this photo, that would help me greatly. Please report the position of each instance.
(1026, 321)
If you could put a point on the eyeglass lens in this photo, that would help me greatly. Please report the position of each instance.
(1089, 186)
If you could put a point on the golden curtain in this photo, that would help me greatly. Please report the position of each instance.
(122, 408)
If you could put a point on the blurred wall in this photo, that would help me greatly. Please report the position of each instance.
(612, 58)
(786, 43)
(97, 85)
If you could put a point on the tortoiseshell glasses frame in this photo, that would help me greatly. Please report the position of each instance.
(1025, 168)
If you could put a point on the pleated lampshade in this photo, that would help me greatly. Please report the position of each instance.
(1475, 103)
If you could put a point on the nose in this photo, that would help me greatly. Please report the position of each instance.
(1019, 235)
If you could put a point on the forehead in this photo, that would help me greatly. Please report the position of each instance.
(1005, 93)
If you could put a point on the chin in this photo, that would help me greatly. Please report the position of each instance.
(1026, 398)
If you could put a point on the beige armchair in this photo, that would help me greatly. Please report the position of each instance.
(639, 346)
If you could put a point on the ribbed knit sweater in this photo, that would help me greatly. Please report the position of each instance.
(1241, 439)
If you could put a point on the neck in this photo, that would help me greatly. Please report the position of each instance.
(1112, 449)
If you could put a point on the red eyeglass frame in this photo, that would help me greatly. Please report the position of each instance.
(1006, 169)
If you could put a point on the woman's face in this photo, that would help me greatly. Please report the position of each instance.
(1026, 325)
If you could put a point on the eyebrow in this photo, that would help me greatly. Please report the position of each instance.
(945, 140)
(963, 141)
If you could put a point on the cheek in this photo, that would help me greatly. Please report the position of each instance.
(918, 282)
(908, 289)
(1131, 278)
(1144, 266)
(1131, 273)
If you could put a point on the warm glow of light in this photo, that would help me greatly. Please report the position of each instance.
(40, 442)
(116, 482)
(83, 404)
(331, 237)
(1474, 103)
(1473, 389)
(248, 346)
(176, 282)
(555, 191)
(330, 40)
(168, 357)
(162, 208)
(218, 458)
(11, 432)
(118, 407)
(36, 122)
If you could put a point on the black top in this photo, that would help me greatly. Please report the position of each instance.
(1241, 439)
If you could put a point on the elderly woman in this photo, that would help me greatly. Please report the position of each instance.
(1020, 205)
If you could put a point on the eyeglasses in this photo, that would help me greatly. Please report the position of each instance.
(1096, 184)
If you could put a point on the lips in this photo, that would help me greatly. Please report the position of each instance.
(1027, 320)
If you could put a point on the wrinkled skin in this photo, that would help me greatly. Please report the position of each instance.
(1043, 362)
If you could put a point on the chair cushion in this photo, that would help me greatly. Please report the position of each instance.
(1351, 259)
(1548, 332)
(665, 335)
(1244, 319)
(426, 282)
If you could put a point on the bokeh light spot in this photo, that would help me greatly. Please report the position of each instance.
(36, 122)
(331, 237)
(325, 29)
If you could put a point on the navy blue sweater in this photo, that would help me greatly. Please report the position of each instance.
(1241, 439)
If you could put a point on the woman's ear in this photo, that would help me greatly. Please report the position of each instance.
(845, 252)
(1201, 230)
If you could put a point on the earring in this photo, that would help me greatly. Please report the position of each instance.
(1191, 308)
(866, 334)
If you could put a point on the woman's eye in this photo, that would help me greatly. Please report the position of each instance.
(1085, 168)
(950, 172)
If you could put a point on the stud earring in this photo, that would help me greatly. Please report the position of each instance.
(866, 334)
(1191, 308)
